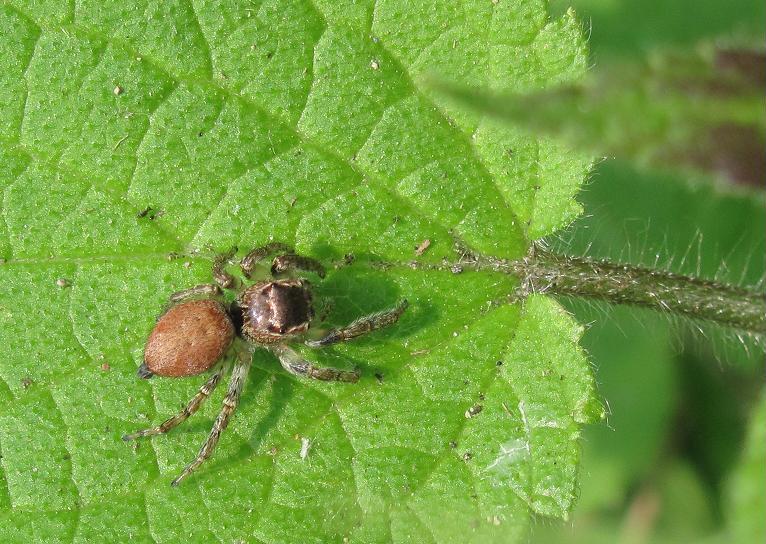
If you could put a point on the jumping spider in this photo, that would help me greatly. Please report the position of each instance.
(199, 328)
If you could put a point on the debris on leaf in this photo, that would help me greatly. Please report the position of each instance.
(424, 245)
(473, 410)
(305, 445)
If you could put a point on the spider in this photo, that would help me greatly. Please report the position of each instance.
(198, 329)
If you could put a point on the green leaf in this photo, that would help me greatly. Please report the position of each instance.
(138, 138)
(746, 497)
(630, 27)
(690, 111)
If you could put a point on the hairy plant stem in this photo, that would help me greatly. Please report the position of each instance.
(542, 271)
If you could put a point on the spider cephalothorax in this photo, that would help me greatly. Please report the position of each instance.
(273, 309)
(199, 329)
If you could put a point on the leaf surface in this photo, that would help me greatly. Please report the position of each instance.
(139, 138)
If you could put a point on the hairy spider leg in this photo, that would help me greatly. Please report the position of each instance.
(248, 262)
(295, 364)
(223, 278)
(194, 404)
(203, 289)
(361, 326)
(230, 402)
(289, 260)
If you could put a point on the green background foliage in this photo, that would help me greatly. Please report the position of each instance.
(696, 111)
(135, 133)
(673, 457)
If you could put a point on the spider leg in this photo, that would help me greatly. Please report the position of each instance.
(194, 404)
(223, 278)
(361, 326)
(295, 364)
(248, 262)
(290, 261)
(203, 289)
(230, 401)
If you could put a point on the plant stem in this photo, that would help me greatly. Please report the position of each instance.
(545, 272)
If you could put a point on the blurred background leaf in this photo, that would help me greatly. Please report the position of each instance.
(692, 110)
(630, 28)
(746, 492)
(666, 469)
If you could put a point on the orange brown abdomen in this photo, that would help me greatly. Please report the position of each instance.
(188, 339)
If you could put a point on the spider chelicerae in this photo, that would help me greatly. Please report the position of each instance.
(199, 329)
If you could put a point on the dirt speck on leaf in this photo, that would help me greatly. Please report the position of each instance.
(424, 245)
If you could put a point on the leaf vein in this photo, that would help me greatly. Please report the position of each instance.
(205, 42)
